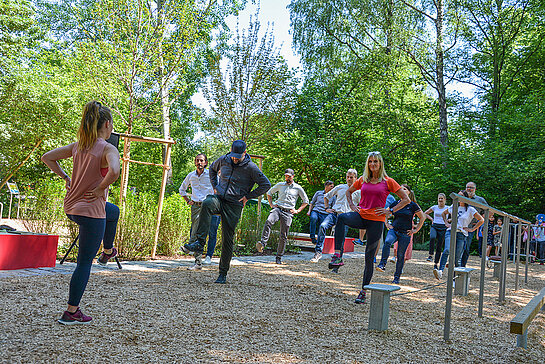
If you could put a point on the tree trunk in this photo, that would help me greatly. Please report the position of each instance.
(440, 75)
(5, 180)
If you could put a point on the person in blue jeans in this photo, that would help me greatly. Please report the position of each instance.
(95, 167)
(465, 216)
(401, 231)
(335, 203)
(316, 210)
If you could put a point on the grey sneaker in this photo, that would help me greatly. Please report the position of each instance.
(207, 260)
(438, 273)
(317, 256)
(195, 267)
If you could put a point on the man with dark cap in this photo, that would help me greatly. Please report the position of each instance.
(232, 189)
(282, 209)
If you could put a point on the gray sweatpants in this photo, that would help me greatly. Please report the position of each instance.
(285, 218)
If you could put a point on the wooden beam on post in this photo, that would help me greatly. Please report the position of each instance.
(161, 197)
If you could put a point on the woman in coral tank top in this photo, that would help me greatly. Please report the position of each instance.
(96, 166)
(370, 214)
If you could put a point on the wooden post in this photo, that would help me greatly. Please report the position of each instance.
(166, 167)
(259, 197)
(124, 170)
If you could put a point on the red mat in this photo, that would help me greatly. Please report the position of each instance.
(27, 251)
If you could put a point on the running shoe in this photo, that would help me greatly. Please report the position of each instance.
(392, 259)
(429, 259)
(361, 297)
(193, 247)
(207, 260)
(380, 268)
(358, 242)
(222, 279)
(438, 273)
(336, 261)
(395, 281)
(195, 267)
(259, 247)
(104, 258)
(317, 256)
(278, 260)
(75, 318)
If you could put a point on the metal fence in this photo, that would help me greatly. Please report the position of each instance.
(510, 222)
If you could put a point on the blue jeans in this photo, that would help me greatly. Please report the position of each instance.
(403, 241)
(467, 244)
(374, 233)
(316, 219)
(91, 233)
(213, 235)
(329, 221)
(461, 240)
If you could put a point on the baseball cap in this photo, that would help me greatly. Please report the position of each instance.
(289, 171)
(237, 148)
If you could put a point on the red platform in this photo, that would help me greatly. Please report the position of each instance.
(329, 243)
(27, 251)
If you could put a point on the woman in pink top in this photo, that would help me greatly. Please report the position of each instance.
(96, 166)
(370, 214)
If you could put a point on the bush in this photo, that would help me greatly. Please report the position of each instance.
(175, 225)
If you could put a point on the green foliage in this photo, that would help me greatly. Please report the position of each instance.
(175, 225)
(42, 211)
(250, 99)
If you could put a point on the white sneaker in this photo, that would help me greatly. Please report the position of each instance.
(259, 247)
(207, 260)
(392, 259)
(195, 267)
(317, 256)
(438, 273)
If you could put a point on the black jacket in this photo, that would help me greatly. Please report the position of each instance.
(237, 180)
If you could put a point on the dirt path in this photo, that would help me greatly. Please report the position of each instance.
(295, 313)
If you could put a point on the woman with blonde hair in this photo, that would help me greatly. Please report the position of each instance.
(370, 214)
(95, 167)
(438, 228)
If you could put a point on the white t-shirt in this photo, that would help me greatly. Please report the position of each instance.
(438, 214)
(465, 215)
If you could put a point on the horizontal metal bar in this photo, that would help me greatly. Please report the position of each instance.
(483, 206)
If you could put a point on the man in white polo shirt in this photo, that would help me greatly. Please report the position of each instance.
(199, 180)
(282, 210)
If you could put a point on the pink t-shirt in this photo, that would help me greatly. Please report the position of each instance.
(374, 195)
(86, 176)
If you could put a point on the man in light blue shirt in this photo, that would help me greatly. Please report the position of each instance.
(282, 210)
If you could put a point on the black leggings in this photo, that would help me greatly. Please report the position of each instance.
(437, 240)
(374, 233)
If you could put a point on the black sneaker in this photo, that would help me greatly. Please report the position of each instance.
(359, 242)
(430, 258)
(222, 279)
(395, 281)
(278, 260)
(194, 247)
(361, 297)
(380, 268)
(104, 258)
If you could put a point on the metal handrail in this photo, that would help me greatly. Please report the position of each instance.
(456, 199)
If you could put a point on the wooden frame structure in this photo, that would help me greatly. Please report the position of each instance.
(125, 174)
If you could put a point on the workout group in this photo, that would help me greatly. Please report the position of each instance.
(220, 192)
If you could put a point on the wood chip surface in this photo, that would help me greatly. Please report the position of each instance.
(298, 312)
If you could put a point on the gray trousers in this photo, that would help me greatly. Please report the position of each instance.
(285, 218)
(195, 213)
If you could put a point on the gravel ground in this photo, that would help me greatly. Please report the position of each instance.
(295, 313)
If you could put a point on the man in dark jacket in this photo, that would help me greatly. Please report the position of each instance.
(233, 188)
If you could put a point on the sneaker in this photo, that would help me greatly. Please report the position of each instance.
(446, 265)
(317, 256)
(395, 281)
(278, 260)
(336, 261)
(207, 260)
(74, 318)
(380, 268)
(438, 273)
(375, 260)
(435, 266)
(222, 279)
(195, 267)
(358, 242)
(259, 246)
(193, 247)
(429, 259)
(361, 297)
(103, 259)
(392, 259)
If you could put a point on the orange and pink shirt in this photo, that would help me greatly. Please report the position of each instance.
(373, 195)
(86, 176)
